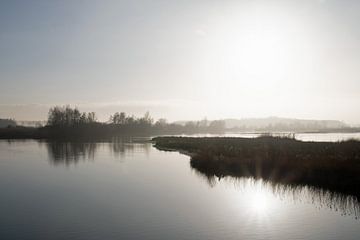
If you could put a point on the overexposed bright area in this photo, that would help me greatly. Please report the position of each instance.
(267, 59)
(183, 60)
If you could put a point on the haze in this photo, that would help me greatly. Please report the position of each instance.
(181, 59)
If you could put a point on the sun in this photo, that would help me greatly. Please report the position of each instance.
(250, 61)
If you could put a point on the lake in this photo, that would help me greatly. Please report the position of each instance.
(125, 190)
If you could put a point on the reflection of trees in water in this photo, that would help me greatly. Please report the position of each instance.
(66, 153)
(121, 146)
(344, 204)
(70, 152)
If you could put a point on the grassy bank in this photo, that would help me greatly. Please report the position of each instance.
(331, 166)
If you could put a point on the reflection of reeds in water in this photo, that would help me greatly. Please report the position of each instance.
(344, 204)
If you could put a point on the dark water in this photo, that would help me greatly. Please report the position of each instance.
(120, 190)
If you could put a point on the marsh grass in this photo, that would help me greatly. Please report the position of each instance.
(333, 166)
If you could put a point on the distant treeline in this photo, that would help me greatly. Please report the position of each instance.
(72, 117)
(276, 124)
(65, 121)
(7, 123)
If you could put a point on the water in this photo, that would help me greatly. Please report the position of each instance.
(121, 190)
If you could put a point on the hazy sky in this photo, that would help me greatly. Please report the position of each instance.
(182, 59)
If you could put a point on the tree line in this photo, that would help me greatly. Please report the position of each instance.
(66, 116)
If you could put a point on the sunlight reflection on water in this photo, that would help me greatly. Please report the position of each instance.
(262, 195)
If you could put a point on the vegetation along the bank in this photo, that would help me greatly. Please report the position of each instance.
(327, 165)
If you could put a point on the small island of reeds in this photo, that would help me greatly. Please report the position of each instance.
(333, 166)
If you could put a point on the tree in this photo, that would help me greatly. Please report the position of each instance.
(83, 118)
(217, 126)
(122, 118)
(67, 116)
(161, 122)
(130, 120)
(114, 118)
(56, 116)
(146, 120)
(118, 118)
(91, 117)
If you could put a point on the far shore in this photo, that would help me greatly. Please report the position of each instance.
(101, 130)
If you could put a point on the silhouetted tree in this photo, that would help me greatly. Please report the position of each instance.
(91, 118)
(67, 116)
(146, 120)
(118, 118)
(130, 120)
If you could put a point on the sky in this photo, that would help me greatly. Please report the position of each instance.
(180, 60)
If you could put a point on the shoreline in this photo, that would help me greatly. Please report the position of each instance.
(101, 130)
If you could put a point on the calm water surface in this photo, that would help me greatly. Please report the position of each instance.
(121, 190)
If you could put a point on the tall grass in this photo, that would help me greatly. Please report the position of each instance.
(328, 165)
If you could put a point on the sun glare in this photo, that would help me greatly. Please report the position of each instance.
(260, 200)
(256, 196)
(259, 203)
(254, 57)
